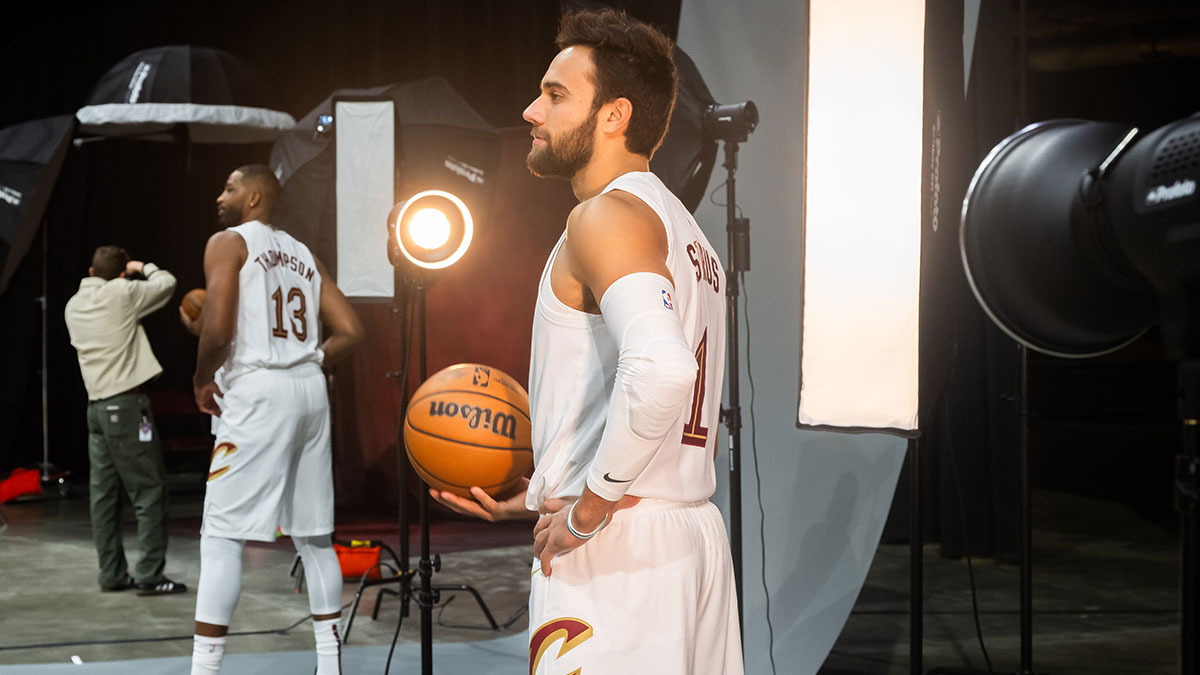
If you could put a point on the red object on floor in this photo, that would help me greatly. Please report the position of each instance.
(354, 560)
(20, 482)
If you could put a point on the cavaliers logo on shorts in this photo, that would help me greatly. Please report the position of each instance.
(222, 451)
(573, 632)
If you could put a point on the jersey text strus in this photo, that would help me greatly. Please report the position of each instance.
(269, 259)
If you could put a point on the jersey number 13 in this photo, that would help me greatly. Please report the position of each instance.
(297, 321)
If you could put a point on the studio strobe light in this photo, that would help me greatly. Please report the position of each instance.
(1076, 237)
(433, 229)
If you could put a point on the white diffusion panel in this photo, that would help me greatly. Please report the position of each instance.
(366, 161)
(862, 215)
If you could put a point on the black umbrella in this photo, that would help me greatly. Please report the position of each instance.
(443, 144)
(165, 93)
(31, 155)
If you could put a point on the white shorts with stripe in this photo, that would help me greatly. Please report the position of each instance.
(271, 462)
(653, 592)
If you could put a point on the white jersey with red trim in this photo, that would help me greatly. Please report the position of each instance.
(574, 362)
(279, 296)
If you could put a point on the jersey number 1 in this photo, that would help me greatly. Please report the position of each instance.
(298, 322)
(693, 432)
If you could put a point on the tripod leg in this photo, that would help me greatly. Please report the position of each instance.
(478, 599)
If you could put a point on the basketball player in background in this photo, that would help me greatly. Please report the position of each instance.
(634, 572)
(258, 371)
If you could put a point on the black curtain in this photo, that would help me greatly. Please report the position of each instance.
(969, 369)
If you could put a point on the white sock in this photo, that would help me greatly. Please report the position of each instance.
(329, 646)
(207, 653)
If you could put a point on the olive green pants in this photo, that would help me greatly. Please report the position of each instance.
(120, 459)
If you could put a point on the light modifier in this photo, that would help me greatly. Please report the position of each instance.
(432, 229)
(1074, 233)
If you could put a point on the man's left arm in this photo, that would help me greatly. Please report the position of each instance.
(617, 248)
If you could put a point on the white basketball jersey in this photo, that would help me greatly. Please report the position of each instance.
(574, 363)
(279, 296)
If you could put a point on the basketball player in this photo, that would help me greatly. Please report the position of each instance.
(258, 371)
(635, 574)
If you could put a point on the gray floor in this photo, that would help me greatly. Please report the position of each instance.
(53, 611)
(1105, 600)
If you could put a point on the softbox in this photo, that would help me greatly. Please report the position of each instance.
(442, 143)
(31, 155)
(686, 157)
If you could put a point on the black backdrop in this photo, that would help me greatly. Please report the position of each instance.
(156, 200)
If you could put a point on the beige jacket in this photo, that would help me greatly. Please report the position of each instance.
(104, 321)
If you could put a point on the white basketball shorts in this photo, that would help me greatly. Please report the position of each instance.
(653, 592)
(271, 462)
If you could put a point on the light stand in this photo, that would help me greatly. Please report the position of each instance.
(1187, 494)
(428, 595)
(732, 124)
(1072, 232)
(447, 235)
(916, 542)
(738, 230)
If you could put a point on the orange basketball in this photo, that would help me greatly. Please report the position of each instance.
(468, 425)
(193, 302)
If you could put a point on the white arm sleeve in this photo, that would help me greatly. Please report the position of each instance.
(656, 371)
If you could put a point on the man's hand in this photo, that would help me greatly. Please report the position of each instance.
(193, 326)
(204, 397)
(134, 267)
(551, 536)
(485, 507)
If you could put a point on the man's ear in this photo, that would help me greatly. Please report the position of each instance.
(617, 114)
(91, 271)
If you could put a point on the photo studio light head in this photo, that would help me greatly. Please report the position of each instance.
(323, 130)
(731, 122)
(1077, 236)
(432, 229)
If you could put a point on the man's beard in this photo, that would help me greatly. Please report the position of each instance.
(229, 216)
(567, 156)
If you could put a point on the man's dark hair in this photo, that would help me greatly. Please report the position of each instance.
(109, 261)
(260, 177)
(632, 60)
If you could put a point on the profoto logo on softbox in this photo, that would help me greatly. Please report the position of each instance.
(10, 195)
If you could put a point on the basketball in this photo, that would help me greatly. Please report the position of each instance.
(468, 425)
(193, 302)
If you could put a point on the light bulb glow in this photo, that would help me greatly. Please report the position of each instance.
(422, 232)
(430, 228)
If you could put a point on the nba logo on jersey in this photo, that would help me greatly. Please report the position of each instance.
(667, 300)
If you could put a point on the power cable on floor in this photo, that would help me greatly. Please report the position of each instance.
(962, 513)
(762, 514)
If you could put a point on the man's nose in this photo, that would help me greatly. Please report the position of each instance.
(532, 114)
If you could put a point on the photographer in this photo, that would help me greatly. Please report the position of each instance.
(115, 359)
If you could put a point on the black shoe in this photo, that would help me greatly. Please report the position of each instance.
(121, 585)
(164, 587)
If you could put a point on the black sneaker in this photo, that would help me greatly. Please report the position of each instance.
(121, 585)
(164, 587)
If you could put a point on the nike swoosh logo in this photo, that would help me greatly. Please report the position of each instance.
(614, 480)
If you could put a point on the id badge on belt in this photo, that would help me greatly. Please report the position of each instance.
(145, 431)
